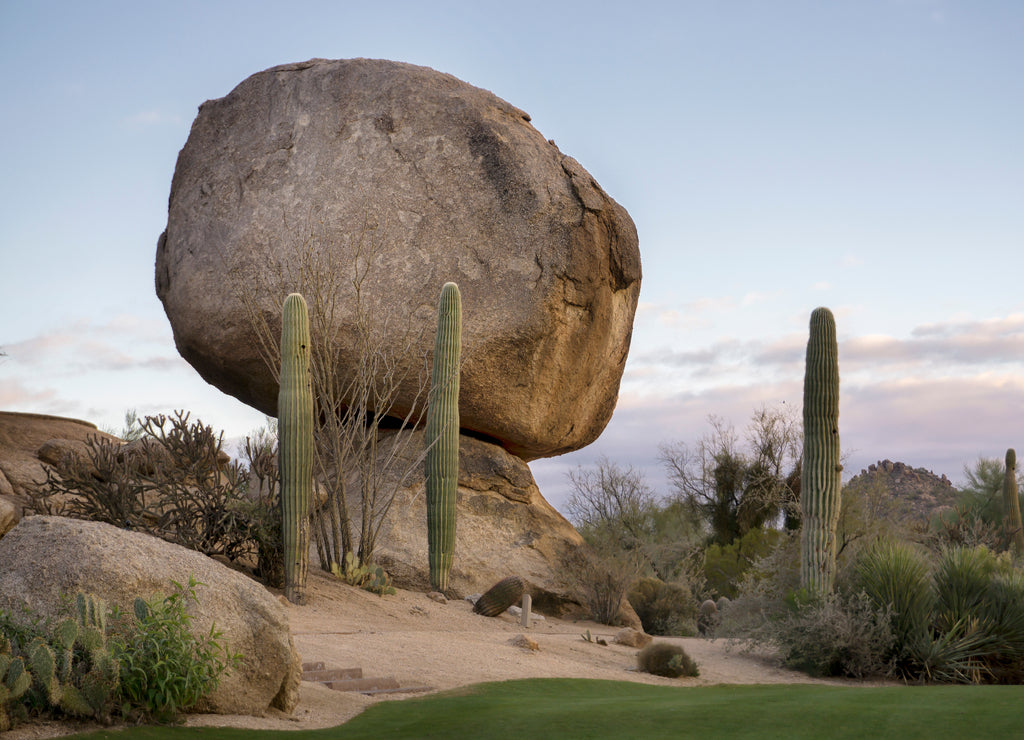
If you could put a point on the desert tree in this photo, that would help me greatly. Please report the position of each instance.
(735, 485)
(616, 511)
(364, 452)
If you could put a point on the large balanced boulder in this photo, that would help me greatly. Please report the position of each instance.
(406, 178)
(44, 559)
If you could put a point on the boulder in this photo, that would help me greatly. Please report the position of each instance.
(45, 559)
(504, 527)
(31, 442)
(413, 178)
(632, 638)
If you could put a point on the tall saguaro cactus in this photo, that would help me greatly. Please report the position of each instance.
(1011, 504)
(443, 437)
(295, 445)
(820, 482)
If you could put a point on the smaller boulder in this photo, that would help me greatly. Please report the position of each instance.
(44, 559)
(632, 638)
(524, 642)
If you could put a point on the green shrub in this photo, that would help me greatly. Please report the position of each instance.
(664, 608)
(726, 565)
(666, 659)
(836, 636)
(165, 669)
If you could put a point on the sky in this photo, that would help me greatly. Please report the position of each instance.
(864, 155)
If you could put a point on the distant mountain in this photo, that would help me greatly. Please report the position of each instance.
(921, 491)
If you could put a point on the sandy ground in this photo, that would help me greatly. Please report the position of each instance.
(422, 643)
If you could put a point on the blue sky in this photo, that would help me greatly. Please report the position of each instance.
(775, 156)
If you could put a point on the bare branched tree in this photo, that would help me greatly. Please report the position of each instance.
(363, 453)
(734, 489)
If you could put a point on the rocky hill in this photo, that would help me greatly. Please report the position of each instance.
(921, 491)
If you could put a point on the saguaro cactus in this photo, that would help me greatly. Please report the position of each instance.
(295, 445)
(1011, 504)
(820, 482)
(443, 437)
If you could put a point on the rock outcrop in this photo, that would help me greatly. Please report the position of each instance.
(504, 528)
(412, 178)
(28, 443)
(44, 559)
(918, 492)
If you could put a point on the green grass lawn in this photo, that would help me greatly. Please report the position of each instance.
(581, 708)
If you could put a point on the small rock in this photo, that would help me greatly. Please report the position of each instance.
(437, 596)
(632, 638)
(522, 641)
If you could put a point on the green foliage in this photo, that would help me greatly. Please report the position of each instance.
(442, 434)
(820, 486)
(499, 597)
(668, 609)
(164, 668)
(295, 445)
(731, 489)
(726, 565)
(963, 623)
(666, 659)
(373, 578)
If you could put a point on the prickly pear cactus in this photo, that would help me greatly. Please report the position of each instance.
(295, 445)
(1011, 504)
(500, 596)
(442, 435)
(820, 483)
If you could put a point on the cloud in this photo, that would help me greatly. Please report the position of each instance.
(122, 344)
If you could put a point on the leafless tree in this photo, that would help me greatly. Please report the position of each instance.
(363, 452)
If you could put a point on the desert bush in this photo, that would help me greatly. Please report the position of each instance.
(174, 484)
(725, 565)
(600, 579)
(964, 623)
(166, 669)
(664, 608)
(836, 636)
(762, 592)
(666, 659)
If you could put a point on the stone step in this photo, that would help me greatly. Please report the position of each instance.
(317, 666)
(364, 685)
(332, 674)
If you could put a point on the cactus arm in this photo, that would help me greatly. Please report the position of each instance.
(442, 436)
(295, 433)
(821, 480)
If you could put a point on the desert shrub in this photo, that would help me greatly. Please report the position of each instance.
(600, 579)
(726, 565)
(165, 668)
(762, 592)
(666, 659)
(664, 608)
(707, 617)
(836, 636)
(173, 483)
